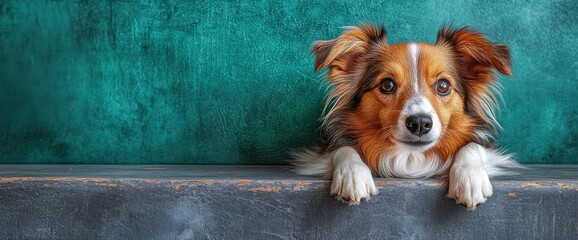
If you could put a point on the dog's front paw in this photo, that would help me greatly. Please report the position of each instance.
(352, 182)
(469, 185)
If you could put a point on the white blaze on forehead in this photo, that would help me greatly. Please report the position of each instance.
(414, 53)
(417, 105)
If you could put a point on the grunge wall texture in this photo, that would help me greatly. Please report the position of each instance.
(232, 82)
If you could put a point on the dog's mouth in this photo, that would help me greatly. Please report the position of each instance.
(419, 145)
(416, 143)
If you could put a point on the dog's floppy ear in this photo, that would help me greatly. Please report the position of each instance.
(343, 54)
(476, 58)
(475, 53)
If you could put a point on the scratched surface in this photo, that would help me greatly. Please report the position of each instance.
(232, 82)
(260, 202)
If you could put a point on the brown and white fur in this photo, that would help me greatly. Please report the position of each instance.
(409, 110)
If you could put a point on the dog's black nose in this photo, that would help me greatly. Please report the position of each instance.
(418, 124)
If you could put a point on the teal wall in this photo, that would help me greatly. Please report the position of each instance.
(232, 81)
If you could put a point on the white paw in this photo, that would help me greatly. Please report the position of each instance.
(352, 182)
(469, 185)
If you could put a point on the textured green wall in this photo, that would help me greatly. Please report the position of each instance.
(232, 82)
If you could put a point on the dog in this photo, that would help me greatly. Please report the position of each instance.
(410, 110)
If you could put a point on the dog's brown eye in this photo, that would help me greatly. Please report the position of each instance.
(387, 86)
(443, 87)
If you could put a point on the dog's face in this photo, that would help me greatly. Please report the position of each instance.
(413, 95)
(420, 97)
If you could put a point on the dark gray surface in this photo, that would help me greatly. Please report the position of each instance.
(261, 202)
(195, 172)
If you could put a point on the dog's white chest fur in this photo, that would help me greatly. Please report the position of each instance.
(403, 163)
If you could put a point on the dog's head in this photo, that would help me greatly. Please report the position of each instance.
(421, 97)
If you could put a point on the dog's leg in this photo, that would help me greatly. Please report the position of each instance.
(469, 181)
(352, 179)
